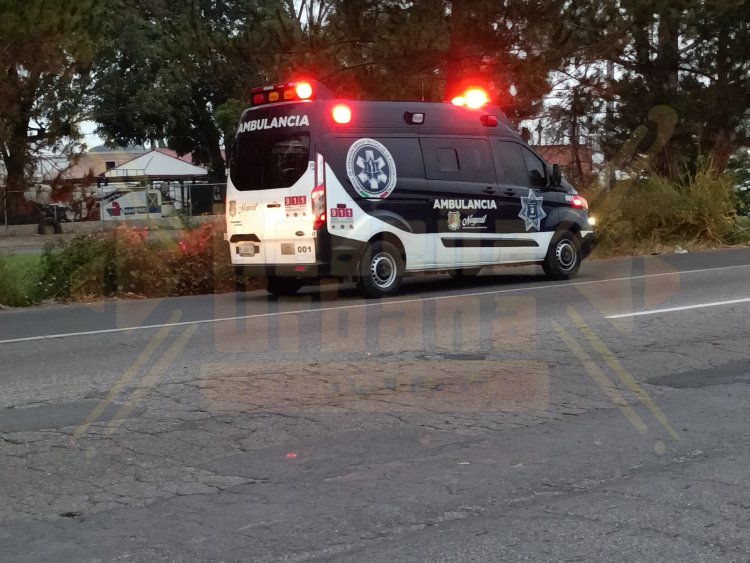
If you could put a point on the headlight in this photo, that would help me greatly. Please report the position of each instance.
(592, 220)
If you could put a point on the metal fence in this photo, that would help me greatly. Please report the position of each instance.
(111, 201)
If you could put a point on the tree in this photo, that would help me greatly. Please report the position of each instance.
(46, 48)
(171, 71)
(429, 50)
(172, 67)
(691, 58)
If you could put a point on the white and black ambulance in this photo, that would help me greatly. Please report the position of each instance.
(371, 191)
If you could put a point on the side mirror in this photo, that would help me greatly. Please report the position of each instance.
(556, 177)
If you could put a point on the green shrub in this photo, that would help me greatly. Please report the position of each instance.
(105, 265)
(122, 262)
(739, 167)
(19, 280)
(740, 232)
(653, 212)
(61, 262)
(200, 262)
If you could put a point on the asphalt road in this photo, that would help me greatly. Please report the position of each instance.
(503, 419)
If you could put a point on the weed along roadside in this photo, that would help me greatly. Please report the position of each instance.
(120, 263)
(19, 280)
(653, 214)
(639, 217)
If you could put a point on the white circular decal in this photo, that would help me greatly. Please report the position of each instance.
(371, 168)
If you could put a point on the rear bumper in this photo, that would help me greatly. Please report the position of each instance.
(587, 244)
(338, 258)
(287, 271)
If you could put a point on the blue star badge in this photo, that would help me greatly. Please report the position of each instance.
(531, 211)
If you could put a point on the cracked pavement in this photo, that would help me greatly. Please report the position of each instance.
(499, 419)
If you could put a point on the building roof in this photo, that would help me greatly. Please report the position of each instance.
(96, 163)
(156, 164)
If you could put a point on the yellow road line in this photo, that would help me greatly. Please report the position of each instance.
(601, 379)
(621, 372)
(128, 376)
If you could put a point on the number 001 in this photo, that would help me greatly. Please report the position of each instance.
(304, 249)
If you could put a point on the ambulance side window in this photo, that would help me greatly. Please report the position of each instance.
(536, 169)
(462, 160)
(447, 160)
(510, 164)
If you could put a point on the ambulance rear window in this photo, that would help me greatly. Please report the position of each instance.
(268, 160)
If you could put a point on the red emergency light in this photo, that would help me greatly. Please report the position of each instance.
(472, 98)
(289, 92)
(341, 114)
(304, 90)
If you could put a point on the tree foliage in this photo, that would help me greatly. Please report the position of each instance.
(669, 77)
(171, 67)
(682, 79)
(429, 50)
(46, 50)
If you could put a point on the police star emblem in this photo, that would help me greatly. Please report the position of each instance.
(531, 211)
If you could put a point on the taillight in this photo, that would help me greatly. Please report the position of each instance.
(579, 202)
(318, 195)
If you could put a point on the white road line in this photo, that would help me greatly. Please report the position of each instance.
(364, 305)
(683, 308)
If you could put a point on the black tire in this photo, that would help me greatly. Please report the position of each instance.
(465, 274)
(280, 286)
(48, 227)
(563, 256)
(381, 270)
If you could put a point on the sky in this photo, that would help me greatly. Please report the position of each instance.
(89, 137)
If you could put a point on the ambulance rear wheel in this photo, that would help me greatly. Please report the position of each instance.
(563, 256)
(280, 286)
(381, 270)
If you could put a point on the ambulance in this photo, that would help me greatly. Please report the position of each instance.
(372, 191)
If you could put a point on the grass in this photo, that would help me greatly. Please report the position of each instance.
(19, 280)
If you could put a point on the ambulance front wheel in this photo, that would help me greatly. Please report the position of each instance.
(381, 270)
(563, 256)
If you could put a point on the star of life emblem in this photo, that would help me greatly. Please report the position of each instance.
(531, 211)
(371, 168)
